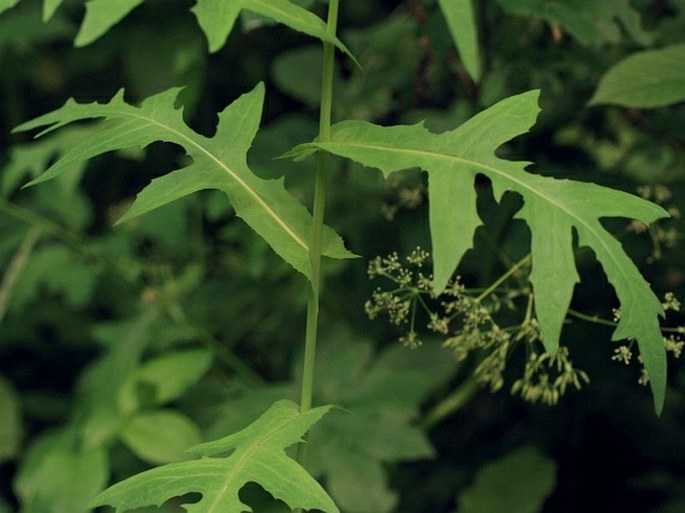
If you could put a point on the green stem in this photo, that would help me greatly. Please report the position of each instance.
(36, 220)
(222, 353)
(317, 225)
(504, 277)
(15, 267)
(451, 403)
(591, 318)
(604, 322)
(73, 240)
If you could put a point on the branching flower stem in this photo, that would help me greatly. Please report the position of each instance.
(453, 402)
(605, 322)
(591, 318)
(317, 225)
(512, 270)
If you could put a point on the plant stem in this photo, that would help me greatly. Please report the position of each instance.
(591, 318)
(317, 224)
(44, 223)
(451, 403)
(513, 269)
(15, 267)
(604, 322)
(222, 353)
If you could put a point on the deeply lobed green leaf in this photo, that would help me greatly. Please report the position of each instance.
(217, 17)
(219, 163)
(552, 208)
(257, 456)
(380, 396)
(33, 158)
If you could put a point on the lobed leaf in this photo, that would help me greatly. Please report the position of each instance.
(654, 78)
(33, 158)
(552, 208)
(258, 456)
(462, 24)
(217, 17)
(380, 396)
(219, 163)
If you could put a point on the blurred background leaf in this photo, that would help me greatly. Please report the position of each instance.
(518, 482)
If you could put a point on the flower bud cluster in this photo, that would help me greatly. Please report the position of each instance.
(468, 323)
(547, 377)
(664, 234)
(674, 341)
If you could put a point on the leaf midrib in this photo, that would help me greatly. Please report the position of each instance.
(261, 443)
(285, 14)
(506, 176)
(265, 206)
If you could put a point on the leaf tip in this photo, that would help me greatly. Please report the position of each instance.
(659, 405)
(534, 93)
(260, 89)
(35, 181)
(594, 101)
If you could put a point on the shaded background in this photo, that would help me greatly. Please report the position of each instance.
(75, 287)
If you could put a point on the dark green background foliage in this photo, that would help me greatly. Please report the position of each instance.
(122, 346)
